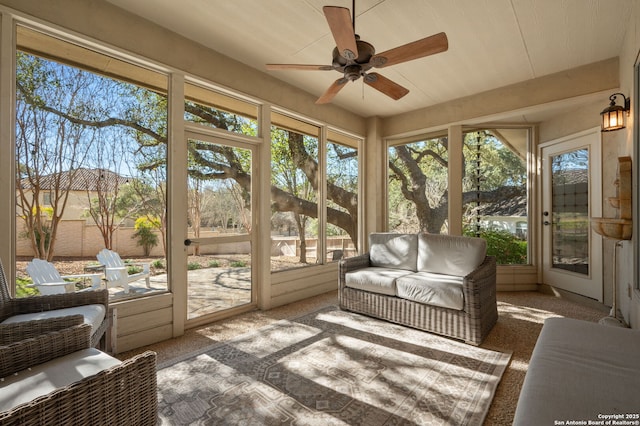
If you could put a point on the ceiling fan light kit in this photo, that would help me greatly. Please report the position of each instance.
(353, 58)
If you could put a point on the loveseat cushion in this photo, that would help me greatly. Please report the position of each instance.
(432, 289)
(450, 254)
(93, 315)
(374, 279)
(392, 250)
(43, 379)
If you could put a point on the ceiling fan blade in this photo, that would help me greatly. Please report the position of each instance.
(386, 86)
(332, 91)
(418, 49)
(303, 67)
(339, 20)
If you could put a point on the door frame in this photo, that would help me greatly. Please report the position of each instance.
(568, 280)
(237, 141)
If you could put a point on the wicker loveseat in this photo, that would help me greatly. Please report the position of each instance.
(57, 378)
(438, 283)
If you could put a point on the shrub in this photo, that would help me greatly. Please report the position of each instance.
(191, 266)
(238, 264)
(507, 249)
(214, 264)
(22, 290)
(133, 269)
(158, 264)
(145, 235)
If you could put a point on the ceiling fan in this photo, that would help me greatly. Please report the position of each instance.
(354, 57)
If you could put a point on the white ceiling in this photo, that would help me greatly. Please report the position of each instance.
(492, 43)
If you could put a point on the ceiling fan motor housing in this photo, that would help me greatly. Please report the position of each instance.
(354, 69)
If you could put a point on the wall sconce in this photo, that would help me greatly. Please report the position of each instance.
(613, 115)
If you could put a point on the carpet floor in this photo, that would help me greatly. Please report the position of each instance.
(521, 315)
(331, 367)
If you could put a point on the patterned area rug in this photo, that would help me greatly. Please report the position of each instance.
(331, 367)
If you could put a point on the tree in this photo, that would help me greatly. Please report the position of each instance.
(106, 108)
(48, 148)
(418, 171)
(68, 121)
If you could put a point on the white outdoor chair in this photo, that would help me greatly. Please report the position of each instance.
(48, 280)
(115, 270)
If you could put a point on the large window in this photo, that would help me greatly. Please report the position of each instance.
(495, 191)
(294, 193)
(91, 152)
(342, 196)
(214, 109)
(297, 188)
(418, 186)
(493, 173)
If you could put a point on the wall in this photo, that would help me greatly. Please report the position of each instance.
(629, 299)
(614, 145)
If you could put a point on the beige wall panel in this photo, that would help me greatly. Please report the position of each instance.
(303, 294)
(291, 286)
(146, 304)
(134, 341)
(584, 80)
(143, 322)
(283, 285)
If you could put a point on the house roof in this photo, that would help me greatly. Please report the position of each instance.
(492, 43)
(81, 179)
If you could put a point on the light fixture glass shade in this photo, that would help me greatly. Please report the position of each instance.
(613, 115)
(612, 118)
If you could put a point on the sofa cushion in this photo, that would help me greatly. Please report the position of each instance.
(43, 379)
(374, 279)
(432, 289)
(580, 370)
(391, 250)
(450, 254)
(93, 315)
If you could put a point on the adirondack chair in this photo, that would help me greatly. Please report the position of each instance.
(115, 270)
(48, 280)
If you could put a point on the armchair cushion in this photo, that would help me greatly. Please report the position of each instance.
(42, 379)
(433, 289)
(390, 250)
(449, 254)
(93, 315)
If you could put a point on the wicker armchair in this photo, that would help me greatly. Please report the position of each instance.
(123, 394)
(10, 306)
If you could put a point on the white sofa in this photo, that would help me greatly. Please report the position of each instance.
(439, 283)
(582, 372)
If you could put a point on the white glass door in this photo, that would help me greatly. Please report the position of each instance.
(572, 252)
(219, 237)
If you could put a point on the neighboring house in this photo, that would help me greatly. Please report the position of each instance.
(83, 185)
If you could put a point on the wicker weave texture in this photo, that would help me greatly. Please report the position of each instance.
(122, 395)
(10, 306)
(14, 332)
(472, 324)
